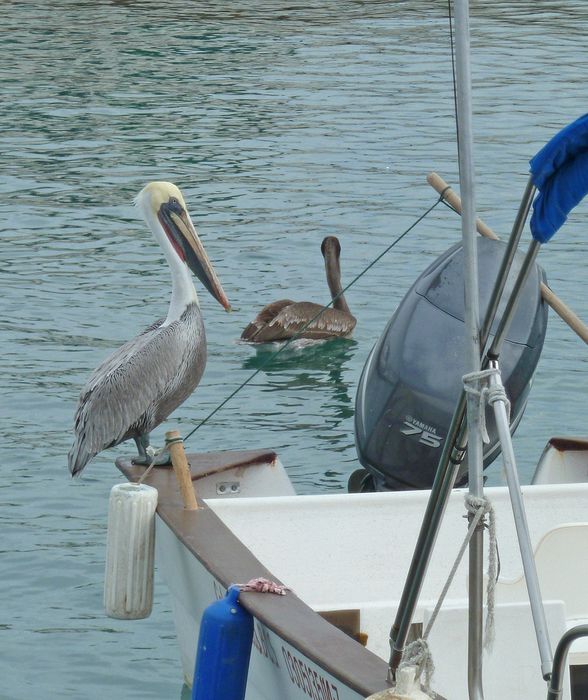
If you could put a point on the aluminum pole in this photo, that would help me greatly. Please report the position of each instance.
(451, 457)
(472, 340)
(522, 528)
(508, 258)
(511, 305)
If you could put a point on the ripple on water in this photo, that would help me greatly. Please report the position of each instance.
(282, 124)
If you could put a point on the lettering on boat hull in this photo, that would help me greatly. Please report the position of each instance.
(263, 643)
(308, 680)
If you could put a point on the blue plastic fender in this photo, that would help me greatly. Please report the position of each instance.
(224, 648)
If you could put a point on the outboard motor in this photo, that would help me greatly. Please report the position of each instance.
(412, 379)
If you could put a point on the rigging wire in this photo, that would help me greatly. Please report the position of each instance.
(453, 74)
(297, 335)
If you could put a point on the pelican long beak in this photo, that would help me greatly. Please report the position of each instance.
(190, 248)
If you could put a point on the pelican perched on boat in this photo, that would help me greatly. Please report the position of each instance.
(285, 318)
(142, 382)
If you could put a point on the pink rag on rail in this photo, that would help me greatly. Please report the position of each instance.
(263, 585)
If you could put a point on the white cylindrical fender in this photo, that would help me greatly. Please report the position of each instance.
(128, 581)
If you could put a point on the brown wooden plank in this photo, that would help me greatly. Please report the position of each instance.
(205, 463)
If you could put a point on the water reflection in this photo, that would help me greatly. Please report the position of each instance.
(309, 365)
(326, 356)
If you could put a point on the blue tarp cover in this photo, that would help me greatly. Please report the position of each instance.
(560, 173)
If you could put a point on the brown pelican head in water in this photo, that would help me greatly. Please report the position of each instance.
(285, 318)
(142, 382)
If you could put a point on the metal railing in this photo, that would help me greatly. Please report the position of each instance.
(554, 691)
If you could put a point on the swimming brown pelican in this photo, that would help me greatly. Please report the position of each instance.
(284, 318)
(142, 382)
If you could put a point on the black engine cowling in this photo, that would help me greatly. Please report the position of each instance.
(413, 376)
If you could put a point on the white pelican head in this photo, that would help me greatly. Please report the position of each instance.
(164, 209)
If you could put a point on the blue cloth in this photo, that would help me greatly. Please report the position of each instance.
(560, 173)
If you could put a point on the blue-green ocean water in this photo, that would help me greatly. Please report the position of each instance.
(282, 123)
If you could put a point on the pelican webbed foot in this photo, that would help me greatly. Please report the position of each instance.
(145, 456)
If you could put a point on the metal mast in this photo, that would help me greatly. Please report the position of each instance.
(472, 336)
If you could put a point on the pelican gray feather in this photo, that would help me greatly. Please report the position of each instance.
(283, 319)
(141, 383)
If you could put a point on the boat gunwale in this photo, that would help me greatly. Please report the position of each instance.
(568, 444)
(228, 560)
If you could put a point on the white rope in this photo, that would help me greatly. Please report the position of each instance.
(417, 653)
(474, 506)
(478, 384)
(154, 454)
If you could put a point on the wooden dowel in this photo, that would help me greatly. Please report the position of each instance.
(453, 199)
(181, 468)
(561, 309)
(564, 312)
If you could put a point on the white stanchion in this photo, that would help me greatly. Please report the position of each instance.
(128, 582)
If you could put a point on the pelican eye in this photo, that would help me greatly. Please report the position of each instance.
(174, 205)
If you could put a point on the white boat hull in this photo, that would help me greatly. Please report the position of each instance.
(345, 557)
(276, 669)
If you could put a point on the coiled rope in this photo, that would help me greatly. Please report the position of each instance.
(478, 384)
